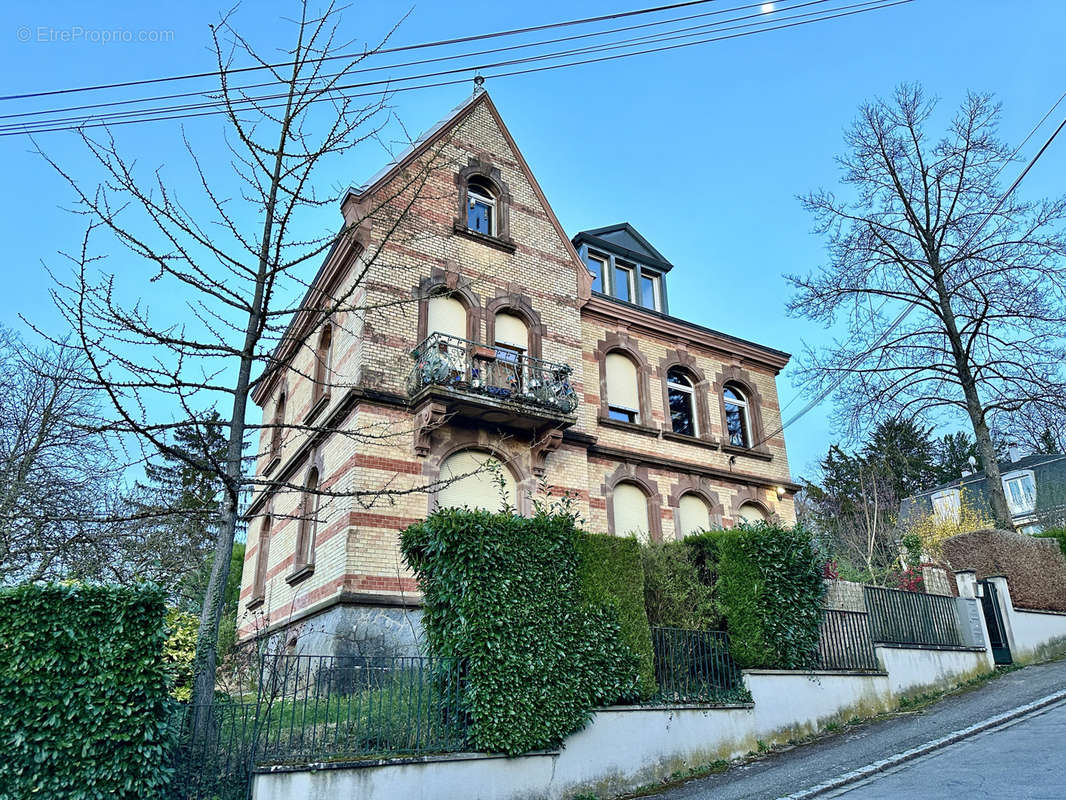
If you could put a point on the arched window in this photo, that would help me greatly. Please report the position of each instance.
(623, 392)
(737, 421)
(446, 314)
(693, 515)
(679, 391)
(305, 537)
(630, 506)
(750, 513)
(475, 479)
(262, 561)
(322, 353)
(278, 424)
(481, 206)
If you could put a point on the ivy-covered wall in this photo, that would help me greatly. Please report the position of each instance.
(84, 692)
(503, 592)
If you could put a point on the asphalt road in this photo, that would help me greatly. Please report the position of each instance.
(801, 767)
(1023, 759)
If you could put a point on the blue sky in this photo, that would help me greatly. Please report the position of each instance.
(703, 149)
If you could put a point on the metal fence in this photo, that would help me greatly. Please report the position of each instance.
(844, 642)
(216, 766)
(695, 667)
(898, 617)
(353, 706)
(317, 708)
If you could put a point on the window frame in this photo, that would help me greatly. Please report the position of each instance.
(605, 267)
(743, 406)
(262, 563)
(304, 551)
(954, 512)
(656, 279)
(323, 356)
(1015, 477)
(688, 389)
(631, 272)
(480, 189)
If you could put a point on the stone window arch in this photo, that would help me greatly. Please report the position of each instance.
(484, 203)
(307, 525)
(262, 562)
(624, 511)
(277, 428)
(453, 440)
(682, 363)
(692, 486)
(752, 511)
(518, 306)
(627, 405)
(444, 290)
(476, 478)
(322, 366)
(736, 382)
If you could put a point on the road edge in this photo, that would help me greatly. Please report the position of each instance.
(915, 752)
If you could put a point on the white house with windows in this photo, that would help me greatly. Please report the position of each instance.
(1035, 487)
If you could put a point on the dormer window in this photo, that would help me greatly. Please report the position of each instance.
(597, 265)
(624, 285)
(650, 293)
(481, 206)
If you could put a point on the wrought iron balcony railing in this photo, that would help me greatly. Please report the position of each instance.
(496, 372)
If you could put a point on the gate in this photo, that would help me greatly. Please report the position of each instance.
(997, 634)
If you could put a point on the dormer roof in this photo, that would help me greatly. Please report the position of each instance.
(623, 240)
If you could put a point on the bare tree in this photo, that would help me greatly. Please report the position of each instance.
(55, 475)
(240, 259)
(987, 301)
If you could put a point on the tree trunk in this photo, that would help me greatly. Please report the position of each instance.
(993, 481)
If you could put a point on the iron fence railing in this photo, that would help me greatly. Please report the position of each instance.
(218, 764)
(695, 667)
(898, 617)
(844, 642)
(319, 707)
(496, 372)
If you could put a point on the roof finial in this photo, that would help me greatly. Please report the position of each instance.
(479, 83)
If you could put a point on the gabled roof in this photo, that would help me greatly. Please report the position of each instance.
(622, 239)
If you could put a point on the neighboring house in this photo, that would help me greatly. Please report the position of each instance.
(1035, 487)
(492, 336)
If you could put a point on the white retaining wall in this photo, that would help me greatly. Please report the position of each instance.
(624, 747)
(1031, 634)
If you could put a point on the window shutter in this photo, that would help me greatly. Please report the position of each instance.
(476, 491)
(622, 382)
(693, 515)
(446, 315)
(511, 330)
(630, 511)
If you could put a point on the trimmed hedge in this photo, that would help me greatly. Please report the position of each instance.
(674, 594)
(1034, 568)
(1058, 534)
(502, 592)
(610, 574)
(85, 692)
(770, 589)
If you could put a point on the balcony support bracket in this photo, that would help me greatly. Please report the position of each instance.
(429, 417)
(543, 444)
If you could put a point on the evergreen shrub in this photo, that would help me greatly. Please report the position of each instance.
(610, 573)
(675, 596)
(770, 589)
(85, 692)
(503, 593)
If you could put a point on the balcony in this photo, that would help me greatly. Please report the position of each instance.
(492, 384)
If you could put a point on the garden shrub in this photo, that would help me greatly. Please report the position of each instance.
(502, 592)
(674, 594)
(610, 573)
(770, 588)
(703, 552)
(1035, 568)
(85, 692)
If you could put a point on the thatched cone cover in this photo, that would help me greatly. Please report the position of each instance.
(1035, 568)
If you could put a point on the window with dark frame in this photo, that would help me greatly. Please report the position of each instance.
(623, 281)
(623, 414)
(325, 340)
(305, 539)
(262, 560)
(681, 395)
(598, 267)
(650, 294)
(738, 426)
(279, 422)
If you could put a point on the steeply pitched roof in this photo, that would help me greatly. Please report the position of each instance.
(624, 240)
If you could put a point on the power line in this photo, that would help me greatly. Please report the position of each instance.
(403, 48)
(437, 59)
(656, 38)
(48, 126)
(835, 384)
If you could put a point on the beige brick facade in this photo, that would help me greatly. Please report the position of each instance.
(376, 452)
